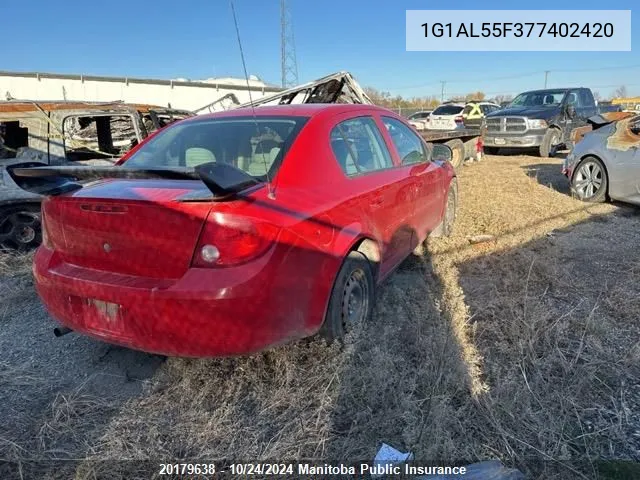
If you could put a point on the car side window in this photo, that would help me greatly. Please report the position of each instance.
(575, 98)
(408, 144)
(359, 147)
(586, 97)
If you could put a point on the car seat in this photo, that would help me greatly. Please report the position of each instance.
(342, 153)
(548, 100)
(263, 157)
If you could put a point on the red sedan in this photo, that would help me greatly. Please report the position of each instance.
(252, 229)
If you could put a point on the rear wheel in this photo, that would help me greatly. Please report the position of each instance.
(20, 227)
(590, 181)
(457, 152)
(352, 298)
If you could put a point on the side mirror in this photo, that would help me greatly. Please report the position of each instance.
(571, 111)
(441, 153)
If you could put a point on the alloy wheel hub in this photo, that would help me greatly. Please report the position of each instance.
(588, 180)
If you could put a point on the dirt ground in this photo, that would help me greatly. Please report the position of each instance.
(523, 348)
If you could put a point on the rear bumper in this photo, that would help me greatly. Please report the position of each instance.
(497, 140)
(206, 313)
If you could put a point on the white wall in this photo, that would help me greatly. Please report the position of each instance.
(181, 95)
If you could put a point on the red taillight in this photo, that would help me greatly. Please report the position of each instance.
(459, 119)
(229, 240)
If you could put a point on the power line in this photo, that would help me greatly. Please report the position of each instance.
(521, 75)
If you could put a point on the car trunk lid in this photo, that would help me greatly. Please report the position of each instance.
(135, 227)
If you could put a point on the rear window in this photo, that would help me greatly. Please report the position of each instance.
(254, 145)
(448, 110)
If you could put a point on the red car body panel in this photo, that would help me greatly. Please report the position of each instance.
(117, 262)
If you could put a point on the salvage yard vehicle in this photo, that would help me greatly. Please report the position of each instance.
(475, 111)
(57, 133)
(229, 233)
(420, 120)
(605, 162)
(447, 116)
(541, 119)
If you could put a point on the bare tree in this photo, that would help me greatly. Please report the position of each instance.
(502, 98)
(620, 92)
(597, 96)
(475, 96)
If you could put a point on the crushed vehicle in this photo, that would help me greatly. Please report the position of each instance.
(605, 160)
(58, 133)
(229, 233)
(541, 119)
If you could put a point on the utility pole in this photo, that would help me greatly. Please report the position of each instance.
(546, 74)
(289, 63)
(442, 94)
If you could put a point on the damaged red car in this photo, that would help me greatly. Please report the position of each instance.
(229, 233)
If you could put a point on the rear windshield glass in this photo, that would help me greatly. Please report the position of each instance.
(447, 110)
(256, 146)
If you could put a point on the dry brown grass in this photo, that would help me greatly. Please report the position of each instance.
(512, 349)
(15, 276)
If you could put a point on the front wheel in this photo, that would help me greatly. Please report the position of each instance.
(550, 142)
(352, 298)
(590, 181)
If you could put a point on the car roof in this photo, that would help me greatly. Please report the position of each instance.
(300, 110)
(553, 90)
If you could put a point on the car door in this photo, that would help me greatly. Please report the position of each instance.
(363, 155)
(580, 102)
(425, 177)
(624, 165)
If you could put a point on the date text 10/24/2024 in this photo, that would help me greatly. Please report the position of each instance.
(518, 30)
(264, 469)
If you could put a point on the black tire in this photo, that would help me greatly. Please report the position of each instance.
(20, 227)
(352, 298)
(491, 150)
(590, 181)
(445, 228)
(549, 143)
(457, 152)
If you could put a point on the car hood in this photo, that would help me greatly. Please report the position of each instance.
(529, 112)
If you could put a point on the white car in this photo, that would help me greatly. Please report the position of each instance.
(420, 120)
(447, 116)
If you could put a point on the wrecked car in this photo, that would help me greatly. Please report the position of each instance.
(605, 161)
(58, 133)
(229, 233)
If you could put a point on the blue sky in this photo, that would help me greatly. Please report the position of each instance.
(196, 39)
